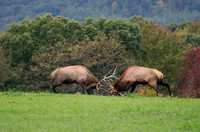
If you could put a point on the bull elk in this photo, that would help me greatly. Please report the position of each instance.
(135, 75)
(74, 74)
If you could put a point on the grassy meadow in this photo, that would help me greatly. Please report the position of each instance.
(64, 112)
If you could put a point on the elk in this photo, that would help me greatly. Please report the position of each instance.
(135, 75)
(74, 74)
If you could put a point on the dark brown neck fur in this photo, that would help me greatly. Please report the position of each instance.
(119, 85)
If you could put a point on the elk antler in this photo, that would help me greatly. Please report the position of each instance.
(104, 90)
(107, 79)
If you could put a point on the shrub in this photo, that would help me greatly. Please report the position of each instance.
(147, 91)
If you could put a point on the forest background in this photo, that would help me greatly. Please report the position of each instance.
(101, 35)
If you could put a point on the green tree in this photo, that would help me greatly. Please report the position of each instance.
(18, 43)
(172, 27)
(124, 30)
(99, 55)
(21, 40)
(190, 33)
(183, 25)
(43, 62)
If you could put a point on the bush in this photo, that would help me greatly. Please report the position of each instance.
(147, 91)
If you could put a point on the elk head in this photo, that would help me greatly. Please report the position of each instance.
(112, 88)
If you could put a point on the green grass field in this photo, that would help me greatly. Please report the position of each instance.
(64, 112)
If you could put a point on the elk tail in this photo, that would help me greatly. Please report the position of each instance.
(159, 74)
(53, 74)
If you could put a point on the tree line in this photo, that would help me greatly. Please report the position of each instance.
(32, 49)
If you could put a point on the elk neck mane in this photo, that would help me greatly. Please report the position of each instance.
(119, 81)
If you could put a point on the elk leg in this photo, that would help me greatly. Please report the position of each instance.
(124, 94)
(153, 84)
(128, 86)
(83, 86)
(54, 88)
(97, 91)
(133, 88)
(56, 84)
(166, 85)
(87, 92)
(120, 94)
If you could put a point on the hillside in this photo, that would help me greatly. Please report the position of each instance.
(161, 11)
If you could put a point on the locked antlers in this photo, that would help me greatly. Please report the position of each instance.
(107, 80)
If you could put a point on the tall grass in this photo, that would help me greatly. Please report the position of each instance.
(62, 112)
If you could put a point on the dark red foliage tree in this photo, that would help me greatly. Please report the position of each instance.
(4, 69)
(189, 83)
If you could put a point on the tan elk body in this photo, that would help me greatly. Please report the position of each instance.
(139, 75)
(74, 74)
